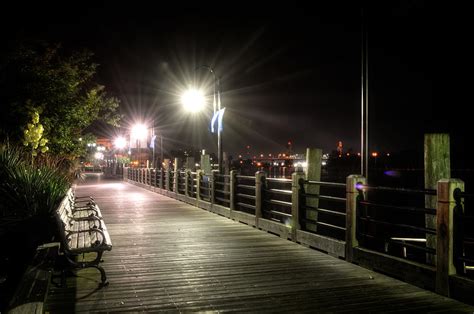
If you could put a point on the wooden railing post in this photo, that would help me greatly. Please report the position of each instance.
(187, 177)
(352, 195)
(176, 175)
(125, 173)
(168, 179)
(198, 184)
(232, 189)
(162, 173)
(213, 185)
(444, 233)
(295, 202)
(259, 178)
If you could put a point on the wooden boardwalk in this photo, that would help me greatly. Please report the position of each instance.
(170, 256)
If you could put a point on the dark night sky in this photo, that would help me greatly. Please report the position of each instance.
(287, 73)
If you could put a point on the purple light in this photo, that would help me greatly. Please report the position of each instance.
(392, 173)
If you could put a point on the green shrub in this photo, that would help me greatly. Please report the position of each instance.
(28, 190)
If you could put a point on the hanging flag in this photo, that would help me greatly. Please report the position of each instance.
(221, 117)
(213, 121)
(152, 142)
(217, 117)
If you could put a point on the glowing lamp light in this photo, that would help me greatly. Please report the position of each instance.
(139, 131)
(99, 156)
(375, 154)
(120, 142)
(193, 100)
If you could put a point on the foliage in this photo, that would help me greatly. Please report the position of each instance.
(123, 160)
(30, 190)
(33, 136)
(59, 85)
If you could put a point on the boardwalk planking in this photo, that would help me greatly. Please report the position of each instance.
(170, 256)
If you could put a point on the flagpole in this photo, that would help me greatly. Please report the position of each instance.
(153, 137)
(217, 108)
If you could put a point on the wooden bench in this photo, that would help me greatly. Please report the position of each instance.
(82, 230)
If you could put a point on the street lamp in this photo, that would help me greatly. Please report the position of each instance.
(139, 132)
(193, 101)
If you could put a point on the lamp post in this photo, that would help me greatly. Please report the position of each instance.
(194, 101)
(139, 132)
(120, 142)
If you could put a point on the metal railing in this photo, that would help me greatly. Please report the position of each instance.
(221, 186)
(393, 227)
(192, 184)
(463, 233)
(323, 208)
(276, 200)
(205, 187)
(245, 194)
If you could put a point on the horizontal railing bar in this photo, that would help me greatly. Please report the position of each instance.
(430, 211)
(222, 183)
(250, 187)
(325, 197)
(282, 180)
(466, 195)
(315, 222)
(469, 240)
(277, 202)
(414, 246)
(278, 191)
(250, 197)
(419, 229)
(223, 192)
(327, 184)
(465, 259)
(222, 199)
(400, 190)
(204, 188)
(275, 212)
(245, 177)
(326, 211)
(246, 205)
(222, 175)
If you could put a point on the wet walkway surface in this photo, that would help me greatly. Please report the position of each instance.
(171, 256)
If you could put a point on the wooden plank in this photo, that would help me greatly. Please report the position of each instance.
(329, 245)
(274, 227)
(170, 256)
(243, 217)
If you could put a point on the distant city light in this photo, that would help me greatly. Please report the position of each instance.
(375, 154)
(99, 156)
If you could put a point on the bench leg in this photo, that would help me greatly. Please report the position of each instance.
(103, 276)
(94, 263)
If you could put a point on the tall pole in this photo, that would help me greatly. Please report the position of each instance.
(216, 107)
(161, 149)
(364, 92)
(152, 136)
